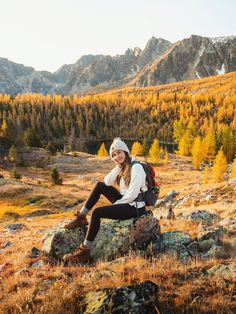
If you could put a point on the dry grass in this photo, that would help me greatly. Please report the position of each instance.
(183, 288)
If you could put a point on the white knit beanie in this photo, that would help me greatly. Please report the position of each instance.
(118, 144)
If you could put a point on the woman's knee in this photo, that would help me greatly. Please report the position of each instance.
(96, 213)
(100, 185)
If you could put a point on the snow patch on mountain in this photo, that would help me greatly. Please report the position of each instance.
(222, 70)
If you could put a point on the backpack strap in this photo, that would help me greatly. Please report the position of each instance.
(140, 197)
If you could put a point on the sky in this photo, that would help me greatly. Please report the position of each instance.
(46, 34)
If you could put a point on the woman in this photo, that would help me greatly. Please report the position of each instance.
(126, 203)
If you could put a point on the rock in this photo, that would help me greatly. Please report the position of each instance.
(214, 233)
(33, 156)
(39, 212)
(168, 198)
(205, 245)
(215, 251)
(225, 272)
(229, 224)
(138, 298)
(172, 238)
(171, 214)
(35, 252)
(173, 242)
(193, 248)
(114, 238)
(37, 264)
(6, 245)
(204, 216)
(97, 274)
(15, 227)
(60, 241)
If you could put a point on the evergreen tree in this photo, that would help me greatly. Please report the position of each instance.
(102, 152)
(228, 142)
(145, 148)
(55, 177)
(197, 156)
(136, 149)
(219, 167)
(13, 154)
(154, 152)
(31, 138)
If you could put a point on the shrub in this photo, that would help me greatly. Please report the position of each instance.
(15, 174)
(55, 178)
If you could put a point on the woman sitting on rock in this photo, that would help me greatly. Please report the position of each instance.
(126, 203)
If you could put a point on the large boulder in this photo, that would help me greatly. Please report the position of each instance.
(138, 298)
(175, 243)
(203, 216)
(225, 272)
(33, 156)
(114, 238)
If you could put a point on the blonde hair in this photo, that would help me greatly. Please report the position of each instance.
(125, 171)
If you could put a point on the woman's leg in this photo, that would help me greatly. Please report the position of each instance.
(111, 193)
(119, 212)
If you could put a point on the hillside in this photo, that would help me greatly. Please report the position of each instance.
(203, 283)
(74, 123)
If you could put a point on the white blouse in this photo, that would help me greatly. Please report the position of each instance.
(137, 183)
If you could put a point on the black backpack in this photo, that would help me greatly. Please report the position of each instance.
(151, 195)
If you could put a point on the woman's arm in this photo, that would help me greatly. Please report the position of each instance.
(137, 174)
(110, 178)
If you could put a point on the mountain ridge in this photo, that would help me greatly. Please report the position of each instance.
(160, 62)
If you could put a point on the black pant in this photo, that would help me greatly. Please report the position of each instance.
(117, 211)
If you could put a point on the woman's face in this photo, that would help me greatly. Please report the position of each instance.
(118, 156)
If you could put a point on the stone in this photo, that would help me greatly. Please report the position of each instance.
(168, 198)
(60, 241)
(203, 216)
(214, 251)
(205, 245)
(225, 272)
(173, 242)
(35, 252)
(193, 248)
(137, 298)
(115, 238)
(229, 224)
(15, 227)
(214, 233)
(37, 264)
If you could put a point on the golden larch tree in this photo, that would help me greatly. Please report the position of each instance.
(102, 152)
(185, 144)
(154, 152)
(206, 175)
(197, 155)
(136, 149)
(208, 147)
(219, 166)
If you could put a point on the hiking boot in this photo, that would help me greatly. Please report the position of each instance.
(80, 255)
(79, 221)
